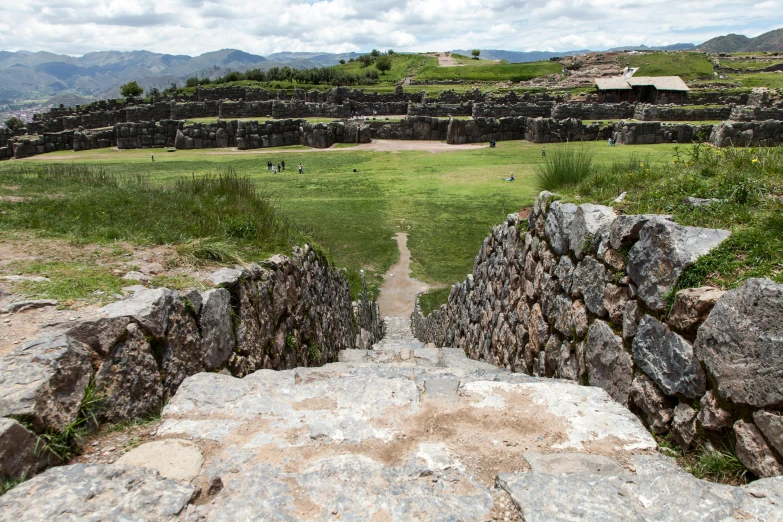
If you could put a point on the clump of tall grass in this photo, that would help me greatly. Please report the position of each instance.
(565, 167)
(210, 216)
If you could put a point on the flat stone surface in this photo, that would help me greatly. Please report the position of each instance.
(557, 463)
(149, 307)
(174, 459)
(21, 306)
(96, 492)
(658, 493)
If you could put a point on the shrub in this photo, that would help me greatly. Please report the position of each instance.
(191, 82)
(131, 89)
(383, 63)
(14, 123)
(564, 167)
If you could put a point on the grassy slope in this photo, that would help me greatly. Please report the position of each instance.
(403, 65)
(687, 65)
(491, 72)
(447, 202)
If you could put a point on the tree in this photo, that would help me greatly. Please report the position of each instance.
(390, 52)
(375, 53)
(342, 62)
(383, 63)
(476, 53)
(191, 82)
(14, 123)
(131, 89)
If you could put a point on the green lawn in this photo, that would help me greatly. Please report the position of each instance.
(515, 72)
(447, 201)
(687, 65)
(403, 65)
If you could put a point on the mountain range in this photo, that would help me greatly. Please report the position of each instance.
(26, 75)
(738, 43)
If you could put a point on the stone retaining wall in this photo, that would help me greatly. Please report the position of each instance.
(286, 312)
(644, 112)
(581, 293)
(746, 134)
(541, 109)
(747, 113)
(593, 111)
(440, 110)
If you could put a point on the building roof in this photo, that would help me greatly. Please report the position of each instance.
(662, 83)
(622, 83)
(615, 83)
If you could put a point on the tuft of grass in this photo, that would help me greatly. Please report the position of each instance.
(7, 485)
(716, 465)
(207, 249)
(431, 301)
(564, 167)
(314, 352)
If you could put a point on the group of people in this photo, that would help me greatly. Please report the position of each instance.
(280, 167)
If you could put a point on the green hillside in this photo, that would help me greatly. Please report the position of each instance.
(515, 72)
(687, 65)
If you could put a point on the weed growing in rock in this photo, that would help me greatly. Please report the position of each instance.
(7, 485)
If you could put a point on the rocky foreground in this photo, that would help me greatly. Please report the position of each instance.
(401, 432)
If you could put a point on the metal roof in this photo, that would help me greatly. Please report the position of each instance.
(621, 83)
(615, 83)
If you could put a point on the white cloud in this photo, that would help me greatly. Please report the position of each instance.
(196, 26)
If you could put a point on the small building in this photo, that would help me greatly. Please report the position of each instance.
(643, 89)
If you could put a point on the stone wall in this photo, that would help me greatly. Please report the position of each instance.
(286, 312)
(748, 113)
(593, 111)
(644, 112)
(440, 110)
(746, 134)
(648, 133)
(541, 109)
(581, 293)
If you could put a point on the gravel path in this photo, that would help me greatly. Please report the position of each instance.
(399, 289)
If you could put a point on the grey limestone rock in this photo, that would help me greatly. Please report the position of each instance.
(740, 342)
(589, 219)
(564, 273)
(657, 492)
(541, 203)
(771, 425)
(44, 381)
(588, 281)
(97, 492)
(753, 451)
(651, 400)
(563, 315)
(615, 298)
(668, 359)
(684, 425)
(632, 314)
(99, 334)
(22, 306)
(226, 277)
(129, 381)
(609, 365)
(691, 307)
(663, 251)
(569, 463)
(217, 332)
(559, 218)
(18, 455)
(579, 314)
(624, 230)
(150, 308)
(711, 415)
(182, 352)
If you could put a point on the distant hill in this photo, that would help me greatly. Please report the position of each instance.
(673, 47)
(518, 57)
(737, 43)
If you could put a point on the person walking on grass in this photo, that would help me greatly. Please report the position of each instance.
(274, 170)
(278, 168)
(301, 168)
(543, 152)
(153, 157)
(282, 164)
(269, 166)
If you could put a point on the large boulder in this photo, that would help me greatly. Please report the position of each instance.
(668, 359)
(609, 365)
(129, 381)
(217, 331)
(740, 344)
(97, 492)
(663, 251)
(691, 307)
(624, 230)
(44, 381)
(589, 219)
(753, 451)
(558, 225)
(20, 454)
(588, 281)
(150, 308)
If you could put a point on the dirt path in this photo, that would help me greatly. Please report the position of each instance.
(398, 292)
(446, 60)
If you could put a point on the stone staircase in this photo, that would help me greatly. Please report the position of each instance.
(400, 432)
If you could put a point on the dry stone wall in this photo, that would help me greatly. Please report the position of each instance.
(593, 111)
(745, 134)
(580, 293)
(287, 312)
(644, 112)
(747, 113)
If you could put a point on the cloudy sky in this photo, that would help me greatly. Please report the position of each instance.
(262, 27)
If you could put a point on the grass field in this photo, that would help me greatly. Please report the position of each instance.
(515, 72)
(403, 65)
(447, 202)
(687, 65)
